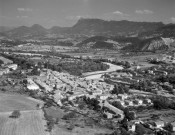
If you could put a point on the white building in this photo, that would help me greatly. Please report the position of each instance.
(31, 85)
(13, 66)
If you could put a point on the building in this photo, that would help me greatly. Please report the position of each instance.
(131, 126)
(128, 103)
(13, 66)
(112, 108)
(147, 101)
(138, 102)
(4, 71)
(104, 96)
(122, 96)
(31, 85)
(109, 115)
(159, 124)
(173, 126)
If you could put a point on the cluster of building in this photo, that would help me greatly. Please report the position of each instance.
(7, 66)
(63, 86)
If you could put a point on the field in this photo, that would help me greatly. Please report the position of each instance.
(165, 115)
(29, 123)
(54, 112)
(80, 131)
(103, 54)
(38, 48)
(10, 102)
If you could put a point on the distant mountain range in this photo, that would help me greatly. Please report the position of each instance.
(5, 28)
(89, 27)
(101, 34)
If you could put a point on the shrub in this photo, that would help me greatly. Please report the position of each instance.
(15, 114)
(69, 116)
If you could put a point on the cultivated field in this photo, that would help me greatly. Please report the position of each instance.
(29, 123)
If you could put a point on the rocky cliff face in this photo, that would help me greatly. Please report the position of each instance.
(155, 45)
(159, 44)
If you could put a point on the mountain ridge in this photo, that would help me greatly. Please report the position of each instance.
(88, 27)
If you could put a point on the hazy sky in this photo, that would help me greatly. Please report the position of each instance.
(66, 12)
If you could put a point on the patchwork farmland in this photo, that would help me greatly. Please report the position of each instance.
(31, 121)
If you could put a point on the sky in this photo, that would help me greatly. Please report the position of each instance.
(65, 13)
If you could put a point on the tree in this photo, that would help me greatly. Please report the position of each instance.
(118, 105)
(130, 115)
(140, 129)
(169, 127)
(115, 90)
(127, 64)
(161, 102)
(124, 123)
(121, 89)
(1, 62)
(124, 132)
(15, 114)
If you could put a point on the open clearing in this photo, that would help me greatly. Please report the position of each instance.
(10, 102)
(29, 123)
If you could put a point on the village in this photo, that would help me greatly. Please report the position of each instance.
(120, 96)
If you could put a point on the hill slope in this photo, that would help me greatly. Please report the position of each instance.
(167, 31)
(152, 44)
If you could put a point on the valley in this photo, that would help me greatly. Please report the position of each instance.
(96, 77)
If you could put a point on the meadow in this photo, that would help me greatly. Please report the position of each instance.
(10, 102)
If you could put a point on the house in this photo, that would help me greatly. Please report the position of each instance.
(109, 115)
(131, 126)
(128, 103)
(137, 67)
(138, 102)
(159, 124)
(4, 71)
(112, 108)
(104, 96)
(97, 92)
(31, 85)
(12, 66)
(159, 72)
(122, 96)
(173, 126)
(43, 85)
(75, 96)
(1, 72)
(147, 101)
